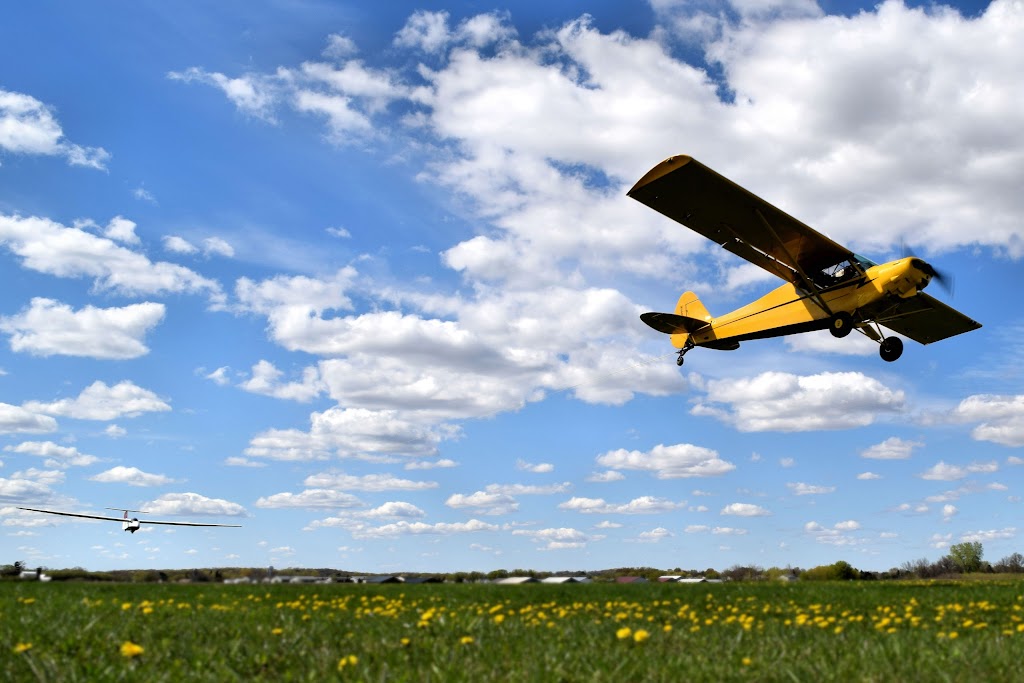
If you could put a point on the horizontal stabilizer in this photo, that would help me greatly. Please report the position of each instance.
(670, 323)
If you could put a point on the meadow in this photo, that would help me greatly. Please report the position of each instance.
(852, 631)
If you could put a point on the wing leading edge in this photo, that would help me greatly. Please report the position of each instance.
(122, 519)
(692, 194)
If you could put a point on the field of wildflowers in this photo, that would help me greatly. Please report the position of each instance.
(942, 631)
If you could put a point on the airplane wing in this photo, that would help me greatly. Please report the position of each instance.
(122, 519)
(924, 319)
(692, 194)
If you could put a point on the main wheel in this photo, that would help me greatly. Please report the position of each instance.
(679, 361)
(841, 325)
(891, 349)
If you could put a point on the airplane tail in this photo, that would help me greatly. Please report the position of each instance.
(690, 316)
(691, 307)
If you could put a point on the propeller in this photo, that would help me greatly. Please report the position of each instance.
(944, 278)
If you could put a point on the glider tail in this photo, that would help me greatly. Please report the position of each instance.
(689, 317)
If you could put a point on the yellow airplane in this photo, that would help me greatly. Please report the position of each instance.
(827, 285)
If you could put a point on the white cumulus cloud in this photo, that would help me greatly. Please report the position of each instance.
(783, 402)
(744, 510)
(669, 462)
(132, 476)
(51, 328)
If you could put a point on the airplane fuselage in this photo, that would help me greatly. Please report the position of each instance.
(789, 309)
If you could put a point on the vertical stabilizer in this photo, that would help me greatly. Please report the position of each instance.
(690, 306)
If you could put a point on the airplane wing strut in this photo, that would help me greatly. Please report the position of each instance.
(804, 280)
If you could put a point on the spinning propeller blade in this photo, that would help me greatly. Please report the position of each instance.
(944, 278)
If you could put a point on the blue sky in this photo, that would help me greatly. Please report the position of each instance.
(366, 281)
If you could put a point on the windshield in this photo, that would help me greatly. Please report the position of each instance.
(864, 262)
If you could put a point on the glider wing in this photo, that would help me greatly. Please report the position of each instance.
(75, 514)
(152, 521)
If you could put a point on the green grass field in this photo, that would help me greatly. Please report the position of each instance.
(943, 631)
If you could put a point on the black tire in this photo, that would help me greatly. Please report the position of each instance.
(679, 361)
(841, 325)
(891, 349)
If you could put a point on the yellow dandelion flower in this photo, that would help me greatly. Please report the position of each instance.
(126, 605)
(466, 640)
(22, 647)
(623, 633)
(746, 661)
(667, 628)
(641, 635)
(498, 618)
(147, 610)
(348, 660)
(953, 634)
(130, 649)
(277, 631)
(405, 642)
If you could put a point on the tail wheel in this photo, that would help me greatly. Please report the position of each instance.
(682, 352)
(891, 349)
(841, 325)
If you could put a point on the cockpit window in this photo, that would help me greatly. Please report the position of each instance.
(842, 271)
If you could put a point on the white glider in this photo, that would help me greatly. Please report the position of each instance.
(132, 524)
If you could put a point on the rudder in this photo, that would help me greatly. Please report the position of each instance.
(690, 306)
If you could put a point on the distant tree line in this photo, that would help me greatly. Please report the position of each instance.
(963, 558)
